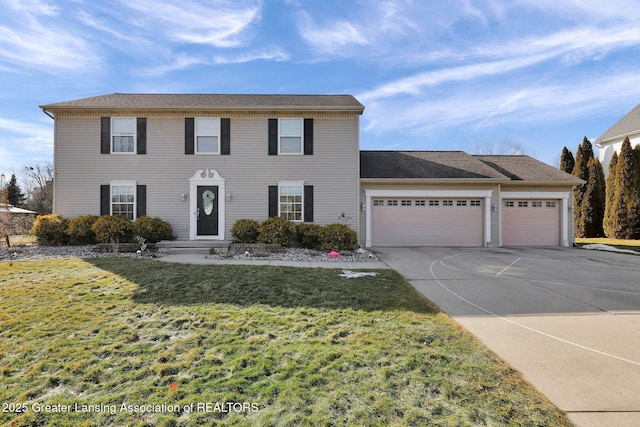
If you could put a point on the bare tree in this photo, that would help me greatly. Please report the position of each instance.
(39, 182)
(502, 147)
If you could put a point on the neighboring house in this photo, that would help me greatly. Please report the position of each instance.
(14, 220)
(201, 162)
(611, 141)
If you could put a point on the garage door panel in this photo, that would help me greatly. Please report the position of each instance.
(524, 224)
(427, 225)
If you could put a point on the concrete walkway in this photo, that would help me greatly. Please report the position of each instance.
(201, 260)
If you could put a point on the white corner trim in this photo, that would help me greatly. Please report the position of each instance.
(213, 178)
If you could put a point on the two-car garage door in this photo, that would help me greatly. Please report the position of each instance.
(426, 222)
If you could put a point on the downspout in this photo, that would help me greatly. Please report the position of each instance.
(48, 114)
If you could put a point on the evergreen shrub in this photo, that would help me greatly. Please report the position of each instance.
(51, 229)
(338, 237)
(153, 229)
(80, 230)
(246, 230)
(276, 230)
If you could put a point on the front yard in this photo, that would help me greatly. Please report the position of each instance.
(119, 341)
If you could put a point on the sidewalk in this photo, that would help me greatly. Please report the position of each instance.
(346, 265)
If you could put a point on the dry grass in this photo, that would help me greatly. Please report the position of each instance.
(303, 346)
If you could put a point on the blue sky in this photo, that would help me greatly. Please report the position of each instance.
(433, 75)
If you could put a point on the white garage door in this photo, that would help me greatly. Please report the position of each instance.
(531, 223)
(426, 222)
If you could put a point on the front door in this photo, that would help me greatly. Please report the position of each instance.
(207, 210)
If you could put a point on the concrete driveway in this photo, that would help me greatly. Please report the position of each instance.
(567, 319)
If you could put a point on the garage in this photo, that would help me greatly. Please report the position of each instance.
(530, 222)
(426, 222)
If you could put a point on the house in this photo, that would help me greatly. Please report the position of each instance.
(611, 141)
(201, 162)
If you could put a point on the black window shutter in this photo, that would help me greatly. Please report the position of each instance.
(225, 137)
(273, 137)
(273, 200)
(189, 135)
(141, 142)
(308, 137)
(105, 135)
(105, 199)
(308, 203)
(141, 200)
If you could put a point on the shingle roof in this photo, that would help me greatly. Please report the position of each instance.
(629, 124)
(211, 102)
(527, 169)
(459, 165)
(424, 165)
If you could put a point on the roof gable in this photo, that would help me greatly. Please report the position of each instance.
(629, 124)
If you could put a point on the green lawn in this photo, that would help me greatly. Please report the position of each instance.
(241, 345)
(634, 245)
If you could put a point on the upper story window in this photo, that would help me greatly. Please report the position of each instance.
(290, 136)
(123, 134)
(207, 135)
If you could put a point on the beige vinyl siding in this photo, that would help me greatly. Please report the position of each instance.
(249, 170)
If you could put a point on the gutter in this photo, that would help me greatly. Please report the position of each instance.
(47, 113)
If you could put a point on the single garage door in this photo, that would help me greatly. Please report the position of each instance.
(531, 223)
(426, 222)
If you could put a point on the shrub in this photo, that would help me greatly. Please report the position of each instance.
(276, 230)
(246, 230)
(308, 235)
(153, 229)
(113, 229)
(51, 229)
(338, 237)
(80, 230)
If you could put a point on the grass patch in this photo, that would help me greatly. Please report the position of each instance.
(300, 346)
(633, 245)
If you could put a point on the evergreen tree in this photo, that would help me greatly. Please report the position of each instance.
(581, 170)
(594, 200)
(625, 200)
(610, 195)
(567, 162)
(14, 194)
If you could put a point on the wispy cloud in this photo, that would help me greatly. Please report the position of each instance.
(31, 38)
(218, 23)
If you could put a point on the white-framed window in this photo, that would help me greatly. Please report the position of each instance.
(509, 204)
(291, 200)
(421, 203)
(378, 202)
(123, 199)
(536, 204)
(405, 202)
(475, 202)
(392, 203)
(207, 135)
(551, 204)
(123, 135)
(523, 204)
(447, 203)
(434, 202)
(290, 136)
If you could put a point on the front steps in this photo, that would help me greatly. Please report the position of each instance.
(194, 247)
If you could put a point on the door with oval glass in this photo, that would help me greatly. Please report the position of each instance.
(207, 210)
